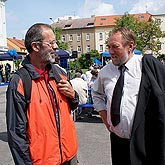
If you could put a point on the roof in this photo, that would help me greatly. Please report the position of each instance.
(106, 20)
(110, 20)
(17, 44)
(75, 23)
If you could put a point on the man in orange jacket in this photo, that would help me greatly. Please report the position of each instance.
(43, 132)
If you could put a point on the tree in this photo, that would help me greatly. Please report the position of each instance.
(84, 63)
(148, 33)
(62, 45)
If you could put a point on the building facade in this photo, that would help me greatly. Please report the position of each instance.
(85, 34)
(78, 33)
(3, 41)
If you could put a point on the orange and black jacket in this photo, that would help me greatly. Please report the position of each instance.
(40, 133)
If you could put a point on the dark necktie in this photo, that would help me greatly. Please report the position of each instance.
(116, 99)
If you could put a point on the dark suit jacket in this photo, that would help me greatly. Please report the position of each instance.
(147, 144)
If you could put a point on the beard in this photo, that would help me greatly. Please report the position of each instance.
(48, 56)
(118, 61)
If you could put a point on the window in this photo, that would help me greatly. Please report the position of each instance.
(71, 48)
(141, 16)
(63, 38)
(67, 26)
(88, 37)
(90, 24)
(78, 37)
(71, 38)
(101, 36)
(101, 48)
(103, 19)
(79, 48)
(88, 48)
(158, 21)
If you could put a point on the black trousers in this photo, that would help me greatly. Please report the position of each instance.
(120, 150)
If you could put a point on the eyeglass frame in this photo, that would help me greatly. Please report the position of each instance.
(50, 44)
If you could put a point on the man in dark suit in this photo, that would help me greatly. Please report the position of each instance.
(137, 120)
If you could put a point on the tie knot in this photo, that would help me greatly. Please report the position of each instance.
(122, 68)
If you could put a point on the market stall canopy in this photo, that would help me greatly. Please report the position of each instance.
(106, 53)
(137, 52)
(5, 55)
(62, 53)
(96, 61)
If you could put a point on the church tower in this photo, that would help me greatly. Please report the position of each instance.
(3, 40)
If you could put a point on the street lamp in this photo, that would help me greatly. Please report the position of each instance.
(52, 19)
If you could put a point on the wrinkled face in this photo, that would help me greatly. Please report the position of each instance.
(119, 52)
(47, 51)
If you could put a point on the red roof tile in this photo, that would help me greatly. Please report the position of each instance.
(110, 20)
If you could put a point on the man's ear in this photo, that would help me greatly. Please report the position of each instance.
(131, 46)
(35, 46)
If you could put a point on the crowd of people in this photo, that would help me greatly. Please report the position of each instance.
(5, 75)
(43, 132)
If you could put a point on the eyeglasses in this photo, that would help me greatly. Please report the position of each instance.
(50, 44)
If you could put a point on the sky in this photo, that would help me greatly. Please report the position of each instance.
(21, 14)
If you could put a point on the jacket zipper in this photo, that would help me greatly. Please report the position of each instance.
(57, 117)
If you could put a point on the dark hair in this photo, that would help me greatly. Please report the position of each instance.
(34, 34)
(94, 72)
(79, 70)
(127, 34)
(77, 75)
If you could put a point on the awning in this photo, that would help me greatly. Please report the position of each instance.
(105, 54)
(62, 53)
(96, 61)
(137, 52)
(4, 55)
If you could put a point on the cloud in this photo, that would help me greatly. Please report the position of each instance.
(152, 6)
(104, 9)
(96, 7)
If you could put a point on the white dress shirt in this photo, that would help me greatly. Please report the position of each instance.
(103, 90)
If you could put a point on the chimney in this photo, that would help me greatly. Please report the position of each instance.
(69, 18)
(14, 38)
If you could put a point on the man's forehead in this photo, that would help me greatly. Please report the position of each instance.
(115, 38)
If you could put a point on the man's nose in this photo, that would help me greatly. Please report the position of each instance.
(111, 51)
(55, 46)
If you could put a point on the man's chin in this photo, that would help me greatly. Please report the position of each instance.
(52, 60)
(115, 62)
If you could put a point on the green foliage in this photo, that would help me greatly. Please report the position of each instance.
(73, 65)
(161, 56)
(148, 33)
(82, 62)
(62, 45)
(17, 63)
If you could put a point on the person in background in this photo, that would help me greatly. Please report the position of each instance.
(88, 74)
(1, 74)
(81, 87)
(83, 76)
(94, 73)
(42, 132)
(138, 134)
(7, 71)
